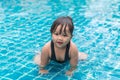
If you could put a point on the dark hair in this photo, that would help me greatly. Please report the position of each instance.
(63, 21)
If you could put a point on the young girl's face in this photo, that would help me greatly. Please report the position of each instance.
(61, 39)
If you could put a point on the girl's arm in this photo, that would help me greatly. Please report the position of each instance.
(44, 59)
(73, 59)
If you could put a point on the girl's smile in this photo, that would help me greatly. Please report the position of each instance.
(60, 43)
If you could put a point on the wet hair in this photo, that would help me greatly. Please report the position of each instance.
(63, 21)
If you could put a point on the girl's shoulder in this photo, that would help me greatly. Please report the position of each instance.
(46, 46)
(73, 47)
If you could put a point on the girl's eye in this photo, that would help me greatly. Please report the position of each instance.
(56, 33)
(64, 35)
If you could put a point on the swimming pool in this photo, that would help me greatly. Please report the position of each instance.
(24, 29)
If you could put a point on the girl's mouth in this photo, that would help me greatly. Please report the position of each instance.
(60, 43)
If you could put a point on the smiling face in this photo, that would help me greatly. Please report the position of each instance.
(61, 36)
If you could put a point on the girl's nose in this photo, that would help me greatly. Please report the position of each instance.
(60, 37)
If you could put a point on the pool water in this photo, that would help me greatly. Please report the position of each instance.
(25, 28)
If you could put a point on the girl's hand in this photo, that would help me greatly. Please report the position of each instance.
(69, 73)
(43, 71)
(71, 70)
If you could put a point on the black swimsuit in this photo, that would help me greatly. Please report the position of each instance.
(53, 57)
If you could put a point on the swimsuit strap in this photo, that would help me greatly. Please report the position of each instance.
(53, 57)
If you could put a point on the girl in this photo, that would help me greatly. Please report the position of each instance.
(60, 48)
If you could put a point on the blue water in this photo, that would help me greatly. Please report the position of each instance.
(25, 28)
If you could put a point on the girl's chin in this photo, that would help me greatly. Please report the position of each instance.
(60, 46)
